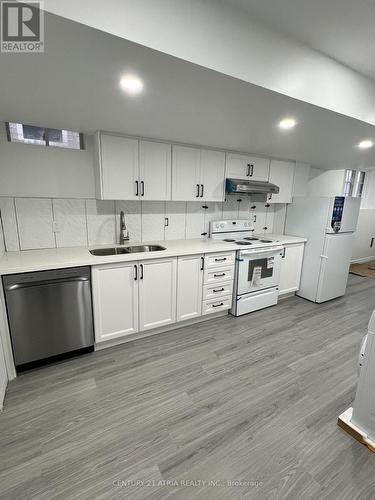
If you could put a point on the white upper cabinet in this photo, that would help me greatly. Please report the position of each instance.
(197, 174)
(117, 167)
(132, 169)
(240, 166)
(157, 293)
(189, 286)
(154, 170)
(115, 301)
(185, 173)
(212, 175)
(282, 174)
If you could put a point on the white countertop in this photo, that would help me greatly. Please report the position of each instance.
(56, 258)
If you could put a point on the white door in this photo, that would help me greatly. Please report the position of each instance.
(189, 286)
(185, 173)
(282, 174)
(247, 167)
(334, 268)
(290, 269)
(115, 300)
(154, 170)
(157, 293)
(212, 175)
(119, 168)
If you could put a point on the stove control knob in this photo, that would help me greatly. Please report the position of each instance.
(221, 225)
(217, 225)
(245, 224)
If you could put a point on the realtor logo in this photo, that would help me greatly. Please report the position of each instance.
(22, 27)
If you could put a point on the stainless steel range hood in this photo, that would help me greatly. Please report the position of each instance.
(250, 187)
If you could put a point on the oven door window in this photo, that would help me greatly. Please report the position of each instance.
(263, 268)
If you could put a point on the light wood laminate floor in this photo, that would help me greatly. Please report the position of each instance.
(252, 399)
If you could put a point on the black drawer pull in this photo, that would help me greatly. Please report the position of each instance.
(219, 275)
(220, 290)
(218, 305)
(220, 260)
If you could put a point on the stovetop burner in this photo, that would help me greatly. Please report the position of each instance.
(243, 243)
(229, 241)
(252, 238)
(266, 241)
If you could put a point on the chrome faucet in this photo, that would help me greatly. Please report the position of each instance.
(124, 233)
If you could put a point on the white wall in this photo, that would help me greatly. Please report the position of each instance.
(45, 171)
(362, 251)
(326, 182)
(368, 196)
(226, 39)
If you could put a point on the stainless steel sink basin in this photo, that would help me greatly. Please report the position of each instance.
(144, 248)
(122, 250)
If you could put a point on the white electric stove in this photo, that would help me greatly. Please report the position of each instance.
(258, 261)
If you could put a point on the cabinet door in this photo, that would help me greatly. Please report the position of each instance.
(157, 293)
(185, 173)
(118, 169)
(212, 175)
(282, 174)
(154, 170)
(189, 287)
(247, 167)
(115, 299)
(290, 271)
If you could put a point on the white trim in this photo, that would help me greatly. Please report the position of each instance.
(362, 259)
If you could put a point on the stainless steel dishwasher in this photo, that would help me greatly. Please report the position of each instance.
(49, 314)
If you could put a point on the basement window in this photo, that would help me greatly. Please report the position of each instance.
(349, 182)
(29, 134)
(359, 183)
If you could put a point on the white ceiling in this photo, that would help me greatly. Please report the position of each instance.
(74, 85)
(341, 29)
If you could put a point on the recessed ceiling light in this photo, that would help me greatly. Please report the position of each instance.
(365, 144)
(287, 123)
(131, 84)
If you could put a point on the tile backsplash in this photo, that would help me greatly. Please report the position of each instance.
(31, 223)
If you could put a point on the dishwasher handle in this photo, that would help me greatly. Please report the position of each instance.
(56, 281)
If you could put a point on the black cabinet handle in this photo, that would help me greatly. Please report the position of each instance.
(202, 187)
(142, 188)
(136, 188)
(220, 290)
(251, 170)
(141, 266)
(135, 273)
(219, 275)
(283, 254)
(220, 260)
(166, 221)
(218, 305)
(372, 242)
(197, 195)
(202, 263)
(248, 170)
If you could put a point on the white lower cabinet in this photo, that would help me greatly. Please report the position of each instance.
(189, 287)
(115, 300)
(157, 293)
(291, 266)
(133, 297)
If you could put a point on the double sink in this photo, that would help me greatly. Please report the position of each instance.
(126, 250)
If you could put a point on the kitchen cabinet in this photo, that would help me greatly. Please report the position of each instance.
(197, 174)
(157, 293)
(291, 266)
(117, 167)
(132, 169)
(115, 300)
(189, 286)
(155, 170)
(241, 166)
(133, 297)
(282, 174)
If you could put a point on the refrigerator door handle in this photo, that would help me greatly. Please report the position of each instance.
(324, 257)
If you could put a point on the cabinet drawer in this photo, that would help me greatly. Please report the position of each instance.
(212, 292)
(212, 306)
(218, 275)
(219, 259)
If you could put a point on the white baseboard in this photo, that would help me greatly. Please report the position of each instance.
(362, 260)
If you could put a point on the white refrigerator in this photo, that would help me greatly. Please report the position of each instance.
(328, 224)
